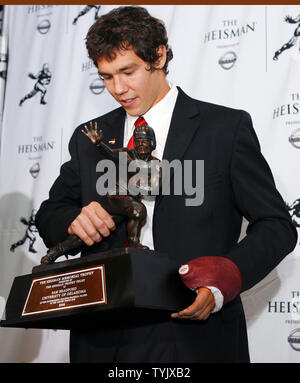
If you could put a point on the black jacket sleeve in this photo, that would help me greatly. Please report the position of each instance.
(64, 203)
(270, 233)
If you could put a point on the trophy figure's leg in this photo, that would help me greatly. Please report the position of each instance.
(134, 210)
(70, 246)
(51, 255)
(137, 214)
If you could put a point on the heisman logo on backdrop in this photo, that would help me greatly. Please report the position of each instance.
(227, 36)
(43, 26)
(294, 339)
(290, 110)
(293, 40)
(34, 151)
(43, 78)
(43, 13)
(97, 84)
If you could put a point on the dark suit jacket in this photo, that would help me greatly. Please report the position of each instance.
(237, 183)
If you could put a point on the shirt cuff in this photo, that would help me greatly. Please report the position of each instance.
(218, 296)
(219, 299)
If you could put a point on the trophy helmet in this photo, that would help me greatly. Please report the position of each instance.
(145, 131)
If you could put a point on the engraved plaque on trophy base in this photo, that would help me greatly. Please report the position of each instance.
(64, 291)
(121, 284)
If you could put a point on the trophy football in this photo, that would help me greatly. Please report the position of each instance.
(133, 280)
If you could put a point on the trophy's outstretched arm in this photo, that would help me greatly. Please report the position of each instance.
(95, 136)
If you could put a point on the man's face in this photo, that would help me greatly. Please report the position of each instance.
(133, 86)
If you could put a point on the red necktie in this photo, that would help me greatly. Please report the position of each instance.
(139, 122)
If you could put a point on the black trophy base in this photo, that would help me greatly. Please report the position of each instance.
(119, 285)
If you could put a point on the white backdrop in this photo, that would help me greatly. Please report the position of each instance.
(222, 54)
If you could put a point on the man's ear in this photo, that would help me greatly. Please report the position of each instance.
(162, 57)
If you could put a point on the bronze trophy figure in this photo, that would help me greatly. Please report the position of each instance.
(120, 202)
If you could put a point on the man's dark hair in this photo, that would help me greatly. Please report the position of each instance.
(126, 27)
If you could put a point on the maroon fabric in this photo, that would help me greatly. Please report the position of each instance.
(219, 272)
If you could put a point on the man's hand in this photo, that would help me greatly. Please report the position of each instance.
(200, 309)
(92, 224)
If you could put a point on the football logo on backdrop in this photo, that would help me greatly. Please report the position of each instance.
(294, 210)
(29, 233)
(4, 60)
(292, 42)
(42, 78)
(85, 10)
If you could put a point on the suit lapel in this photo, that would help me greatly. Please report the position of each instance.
(182, 130)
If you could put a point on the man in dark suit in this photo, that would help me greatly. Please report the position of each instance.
(130, 49)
